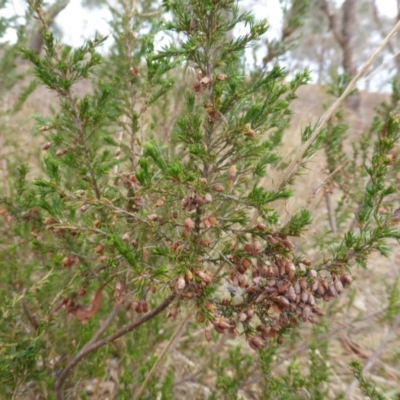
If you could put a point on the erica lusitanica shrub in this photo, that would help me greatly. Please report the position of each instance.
(159, 193)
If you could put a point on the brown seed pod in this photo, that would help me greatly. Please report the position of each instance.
(207, 334)
(61, 152)
(272, 241)
(332, 290)
(346, 280)
(318, 311)
(210, 307)
(200, 316)
(172, 313)
(256, 342)
(188, 275)
(46, 146)
(99, 249)
(152, 217)
(145, 307)
(232, 172)
(205, 276)
(290, 293)
(261, 227)
(287, 243)
(180, 284)
(242, 317)
(304, 297)
(312, 273)
(217, 188)
(306, 313)
(160, 202)
(338, 286)
(70, 261)
(313, 319)
(282, 301)
(188, 224)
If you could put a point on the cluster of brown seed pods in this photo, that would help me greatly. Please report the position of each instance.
(276, 294)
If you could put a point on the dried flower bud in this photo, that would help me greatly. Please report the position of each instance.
(102, 259)
(250, 133)
(117, 153)
(312, 273)
(145, 307)
(291, 294)
(172, 313)
(61, 152)
(338, 286)
(208, 198)
(210, 307)
(153, 217)
(242, 317)
(200, 317)
(180, 284)
(205, 81)
(221, 77)
(288, 244)
(206, 278)
(332, 290)
(217, 188)
(261, 227)
(207, 334)
(84, 208)
(46, 146)
(99, 249)
(160, 202)
(125, 236)
(272, 241)
(188, 224)
(282, 301)
(256, 342)
(135, 305)
(232, 172)
(70, 261)
(346, 280)
(318, 311)
(306, 262)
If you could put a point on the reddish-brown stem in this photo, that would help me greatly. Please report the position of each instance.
(93, 345)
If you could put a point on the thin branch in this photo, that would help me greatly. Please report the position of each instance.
(164, 352)
(333, 23)
(91, 347)
(31, 318)
(288, 174)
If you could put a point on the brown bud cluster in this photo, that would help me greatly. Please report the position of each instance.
(191, 201)
(276, 293)
(140, 306)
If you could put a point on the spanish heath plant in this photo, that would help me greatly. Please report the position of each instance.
(127, 222)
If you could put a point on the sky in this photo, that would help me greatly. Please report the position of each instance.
(79, 23)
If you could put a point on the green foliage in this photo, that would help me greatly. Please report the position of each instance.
(367, 387)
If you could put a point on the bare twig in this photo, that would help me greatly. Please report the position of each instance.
(164, 352)
(331, 211)
(92, 346)
(31, 318)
